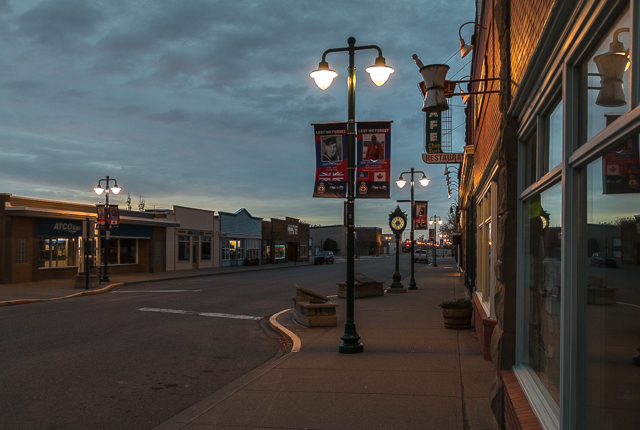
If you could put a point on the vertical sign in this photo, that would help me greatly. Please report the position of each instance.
(373, 160)
(420, 217)
(331, 160)
(434, 133)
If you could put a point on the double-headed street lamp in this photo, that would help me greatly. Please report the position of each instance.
(401, 183)
(115, 189)
(435, 220)
(324, 76)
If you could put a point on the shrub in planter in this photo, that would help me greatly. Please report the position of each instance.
(457, 313)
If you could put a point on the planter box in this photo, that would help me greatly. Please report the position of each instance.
(313, 309)
(457, 319)
(363, 286)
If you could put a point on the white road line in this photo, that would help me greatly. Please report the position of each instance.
(158, 291)
(628, 304)
(203, 314)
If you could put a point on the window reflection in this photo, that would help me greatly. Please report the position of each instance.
(543, 235)
(613, 302)
(608, 77)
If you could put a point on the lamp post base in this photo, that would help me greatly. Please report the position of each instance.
(350, 340)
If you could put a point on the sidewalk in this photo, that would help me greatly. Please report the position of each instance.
(413, 373)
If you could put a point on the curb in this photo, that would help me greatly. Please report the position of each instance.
(83, 293)
(285, 332)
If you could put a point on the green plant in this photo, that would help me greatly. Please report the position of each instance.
(330, 245)
(463, 303)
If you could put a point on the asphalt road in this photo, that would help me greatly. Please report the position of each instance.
(134, 357)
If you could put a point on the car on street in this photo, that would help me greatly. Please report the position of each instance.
(323, 257)
(603, 259)
(420, 255)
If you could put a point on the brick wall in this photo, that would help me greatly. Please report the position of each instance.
(518, 414)
(484, 327)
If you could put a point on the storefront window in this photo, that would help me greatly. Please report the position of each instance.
(542, 292)
(127, 251)
(57, 252)
(304, 251)
(554, 136)
(612, 259)
(531, 153)
(608, 77)
(205, 250)
(279, 251)
(253, 248)
(183, 248)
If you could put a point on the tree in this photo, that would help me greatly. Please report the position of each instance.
(330, 245)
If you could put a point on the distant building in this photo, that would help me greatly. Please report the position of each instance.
(368, 240)
(284, 240)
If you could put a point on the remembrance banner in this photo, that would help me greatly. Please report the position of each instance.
(331, 160)
(420, 217)
(373, 160)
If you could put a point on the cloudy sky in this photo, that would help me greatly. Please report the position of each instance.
(208, 104)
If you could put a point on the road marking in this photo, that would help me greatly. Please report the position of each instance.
(203, 314)
(158, 291)
(628, 304)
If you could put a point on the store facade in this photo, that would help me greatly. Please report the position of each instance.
(240, 238)
(551, 205)
(42, 239)
(284, 240)
(196, 243)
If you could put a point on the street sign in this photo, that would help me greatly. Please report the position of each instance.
(443, 158)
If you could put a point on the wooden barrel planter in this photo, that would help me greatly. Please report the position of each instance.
(457, 319)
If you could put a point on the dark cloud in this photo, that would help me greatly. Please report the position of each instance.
(60, 23)
(206, 103)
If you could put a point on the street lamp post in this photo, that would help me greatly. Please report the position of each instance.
(323, 77)
(99, 190)
(437, 221)
(401, 183)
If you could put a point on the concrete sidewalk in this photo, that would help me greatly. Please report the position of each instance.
(413, 373)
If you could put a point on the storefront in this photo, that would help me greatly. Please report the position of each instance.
(284, 240)
(195, 245)
(43, 240)
(552, 210)
(240, 238)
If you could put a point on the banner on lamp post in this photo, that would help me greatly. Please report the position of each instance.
(331, 148)
(373, 160)
(420, 217)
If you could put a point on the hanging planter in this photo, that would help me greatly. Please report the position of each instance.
(457, 314)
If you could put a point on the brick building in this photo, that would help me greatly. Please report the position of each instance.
(550, 155)
(284, 240)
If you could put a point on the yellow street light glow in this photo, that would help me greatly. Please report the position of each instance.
(323, 76)
(379, 72)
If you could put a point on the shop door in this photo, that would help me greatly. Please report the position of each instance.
(291, 251)
(194, 264)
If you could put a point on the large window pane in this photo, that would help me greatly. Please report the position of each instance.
(555, 137)
(613, 296)
(608, 77)
(128, 251)
(543, 234)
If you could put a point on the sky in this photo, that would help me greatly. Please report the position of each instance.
(209, 104)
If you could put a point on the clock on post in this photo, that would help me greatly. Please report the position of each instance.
(397, 222)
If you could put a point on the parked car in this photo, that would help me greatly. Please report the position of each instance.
(420, 255)
(323, 257)
(603, 259)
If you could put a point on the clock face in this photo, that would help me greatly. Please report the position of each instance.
(397, 223)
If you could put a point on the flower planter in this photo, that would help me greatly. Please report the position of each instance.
(457, 319)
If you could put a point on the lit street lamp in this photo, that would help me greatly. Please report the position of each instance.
(437, 221)
(401, 183)
(115, 189)
(323, 77)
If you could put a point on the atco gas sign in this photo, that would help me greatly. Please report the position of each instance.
(60, 227)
